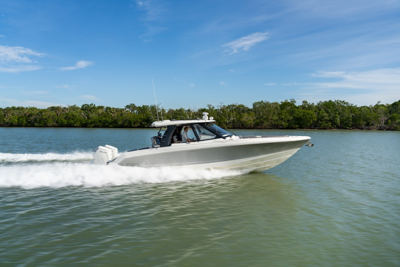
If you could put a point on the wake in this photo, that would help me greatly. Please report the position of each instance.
(47, 157)
(63, 170)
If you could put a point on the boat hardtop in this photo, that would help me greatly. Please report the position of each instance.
(178, 122)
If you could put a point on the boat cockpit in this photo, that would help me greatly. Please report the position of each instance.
(197, 132)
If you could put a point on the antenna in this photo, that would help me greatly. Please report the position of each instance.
(161, 113)
(155, 98)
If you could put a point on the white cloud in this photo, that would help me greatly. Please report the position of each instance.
(89, 97)
(17, 54)
(223, 83)
(66, 86)
(2, 36)
(16, 69)
(11, 56)
(245, 43)
(382, 78)
(153, 14)
(270, 84)
(291, 84)
(5, 102)
(153, 8)
(361, 88)
(342, 8)
(79, 65)
(39, 104)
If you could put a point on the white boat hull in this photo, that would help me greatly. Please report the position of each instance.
(254, 154)
(256, 164)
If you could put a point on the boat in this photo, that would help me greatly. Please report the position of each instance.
(208, 147)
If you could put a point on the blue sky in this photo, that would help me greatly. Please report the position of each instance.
(198, 52)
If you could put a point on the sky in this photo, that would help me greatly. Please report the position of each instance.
(198, 52)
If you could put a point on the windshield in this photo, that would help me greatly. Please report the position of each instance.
(209, 131)
(218, 129)
(204, 134)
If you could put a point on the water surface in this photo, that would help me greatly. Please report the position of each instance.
(337, 203)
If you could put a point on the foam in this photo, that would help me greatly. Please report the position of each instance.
(21, 158)
(63, 174)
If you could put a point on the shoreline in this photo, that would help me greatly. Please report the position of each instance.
(285, 129)
(324, 115)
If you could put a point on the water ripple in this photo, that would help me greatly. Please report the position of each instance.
(334, 204)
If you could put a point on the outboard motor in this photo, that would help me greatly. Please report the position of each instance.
(114, 151)
(104, 154)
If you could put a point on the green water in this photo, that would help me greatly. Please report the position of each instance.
(335, 204)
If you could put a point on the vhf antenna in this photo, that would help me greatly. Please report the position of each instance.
(155, 98)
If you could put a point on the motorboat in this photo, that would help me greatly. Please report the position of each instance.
(207, 146)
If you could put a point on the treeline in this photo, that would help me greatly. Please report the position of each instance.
(336, 114)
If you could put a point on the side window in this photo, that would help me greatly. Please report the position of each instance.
(203, 133)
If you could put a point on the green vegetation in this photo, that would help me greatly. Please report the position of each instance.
(263, 115)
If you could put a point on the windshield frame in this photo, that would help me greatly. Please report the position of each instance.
(214, 129)
(218, 130)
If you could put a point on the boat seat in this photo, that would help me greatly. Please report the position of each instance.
(155, 142)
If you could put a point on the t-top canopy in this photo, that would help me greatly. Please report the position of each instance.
(177, 122)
